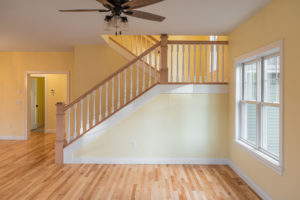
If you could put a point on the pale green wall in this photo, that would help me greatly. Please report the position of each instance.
(170, 125)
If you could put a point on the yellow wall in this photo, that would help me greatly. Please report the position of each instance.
(279, 20)
(13, 66)
(93, 63)
(170, 125)
(40, 101)
(57, 82)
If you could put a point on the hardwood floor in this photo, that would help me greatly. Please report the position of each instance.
(27, 171)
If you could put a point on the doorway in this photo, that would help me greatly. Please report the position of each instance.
(44, 90)
(37, 103)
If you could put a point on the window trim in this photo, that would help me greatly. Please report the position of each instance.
(260, 154)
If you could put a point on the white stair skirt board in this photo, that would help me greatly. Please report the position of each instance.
(12, 137)
(135, 105)
(259, 191)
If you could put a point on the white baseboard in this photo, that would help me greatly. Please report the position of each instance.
(259, 191)
(183, 161)
(12, 137)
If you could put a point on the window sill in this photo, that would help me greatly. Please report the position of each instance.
(263, 158)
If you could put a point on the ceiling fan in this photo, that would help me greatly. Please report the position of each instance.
(119, 7)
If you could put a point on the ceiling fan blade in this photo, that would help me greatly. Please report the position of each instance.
(85, 10)
(145, 15)
(139, 3)
(106, 4)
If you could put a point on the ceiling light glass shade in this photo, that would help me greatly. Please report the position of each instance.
(125, 26)
(116, 21)
(107, 25)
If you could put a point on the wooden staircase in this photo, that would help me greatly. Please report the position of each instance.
(154, 62)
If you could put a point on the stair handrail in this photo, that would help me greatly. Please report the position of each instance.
(66, 107)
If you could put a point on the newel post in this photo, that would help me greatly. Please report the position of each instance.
(164, 59)
(60, 133)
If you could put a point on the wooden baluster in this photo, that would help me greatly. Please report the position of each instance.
(223, 63)
(121, 37)
(141, 44)
(144, 73)
(136, 44)
(131, 82)
(125, 96)
(106, 99)
(60, 133)
(131, 43)
(205, 63)
(137, 77)
(183, 78)
(217, 50)
(81, 116)
(195, 73)
(171, 76)
(112, 95)
(127, 47)
(100, 103)
(150, 68)
(94, 108)
(75, 121)
(119, 90)
(177, 65)
(189, 64)
(155, 65)
(88, 113)
(68, 125)
(200, 74)
(211, 62)
(164, 74)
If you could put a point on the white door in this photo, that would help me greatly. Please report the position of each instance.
(33, 103)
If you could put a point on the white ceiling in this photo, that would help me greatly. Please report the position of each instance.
(36, 25)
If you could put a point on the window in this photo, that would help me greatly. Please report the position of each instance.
(258, 104)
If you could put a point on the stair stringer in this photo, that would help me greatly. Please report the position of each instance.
(134, 106)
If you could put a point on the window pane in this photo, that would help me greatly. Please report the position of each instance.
(250, 123)
(271, 79)
(271, 129)
(250, 82)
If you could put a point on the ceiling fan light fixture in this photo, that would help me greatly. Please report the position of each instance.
(119, 7)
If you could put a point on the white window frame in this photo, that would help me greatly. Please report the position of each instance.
(255, 150)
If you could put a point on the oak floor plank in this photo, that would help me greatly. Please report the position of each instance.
(27, 171)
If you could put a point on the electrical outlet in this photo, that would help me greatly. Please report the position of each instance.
(18, 102)
(9, 126)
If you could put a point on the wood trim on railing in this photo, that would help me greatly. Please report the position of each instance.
(112, 75)
(111, 114)
(153, 38)
(196, 42)
(116, 42)
(203, 83)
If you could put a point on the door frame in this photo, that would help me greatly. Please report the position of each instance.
(27, 95)
(33, 99)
